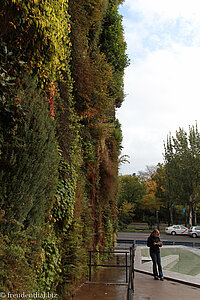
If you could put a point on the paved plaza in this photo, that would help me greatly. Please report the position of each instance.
(146, 288)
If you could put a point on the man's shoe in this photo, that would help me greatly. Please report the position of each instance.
(162, 278)
(156, 277)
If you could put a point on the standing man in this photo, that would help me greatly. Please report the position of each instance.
(154, 243)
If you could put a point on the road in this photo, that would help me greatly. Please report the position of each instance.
(163, 237)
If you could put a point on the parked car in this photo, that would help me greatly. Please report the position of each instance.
(176, 229)
(194, 231)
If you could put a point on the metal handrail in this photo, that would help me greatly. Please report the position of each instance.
(130, 289)
(90, 265)
(144, 242)
(129, 267)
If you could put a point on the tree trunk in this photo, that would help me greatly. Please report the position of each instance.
(190, 211)
(195, 216)
(157, 219)
(168, 215)
(185, 216)
(171, 216)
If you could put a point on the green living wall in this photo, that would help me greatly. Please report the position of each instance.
(61, 73)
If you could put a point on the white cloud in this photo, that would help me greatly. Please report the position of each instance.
(163, 95)
(159, 23)
(162, 81)
(166, 9)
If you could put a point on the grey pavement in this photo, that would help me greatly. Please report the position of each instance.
(146, 288)
(101, 291)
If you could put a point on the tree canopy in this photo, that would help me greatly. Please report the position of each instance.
(182, 160)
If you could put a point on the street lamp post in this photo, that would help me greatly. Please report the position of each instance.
(157, 219)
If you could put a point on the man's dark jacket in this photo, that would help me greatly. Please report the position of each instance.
(150, 243)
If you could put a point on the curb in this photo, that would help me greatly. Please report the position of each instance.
(170, 279)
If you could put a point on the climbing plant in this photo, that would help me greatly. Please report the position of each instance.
(61, 74)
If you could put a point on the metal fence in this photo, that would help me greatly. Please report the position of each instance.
(93, 264)
(144, 242)
(130, 290)
(129, 266)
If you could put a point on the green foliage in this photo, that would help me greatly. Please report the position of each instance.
(131, 189)
(59, 138)
(50, 269)
(182, 160)
(17, 269)
(29, 156)
(112, 41)
(76, 241)
(117, 132)
(63, 210)
(41, 30)
(113, 45)
(74, 263)
(94, 77)
(131, 192)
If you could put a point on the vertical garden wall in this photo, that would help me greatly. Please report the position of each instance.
(61, 74)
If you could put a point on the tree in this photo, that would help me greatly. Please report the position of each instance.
(182, 160)
(150, 201)
(131, 191)
(148, 172)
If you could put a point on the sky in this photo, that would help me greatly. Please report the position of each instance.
(162, 83)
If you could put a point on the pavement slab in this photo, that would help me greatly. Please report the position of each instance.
(101, 291)
(146, 288)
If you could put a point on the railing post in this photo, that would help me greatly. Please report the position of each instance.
(130, 290)
(131, 274)
(126, 268)
(90, 266)
(117, 259)
(133, 267)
